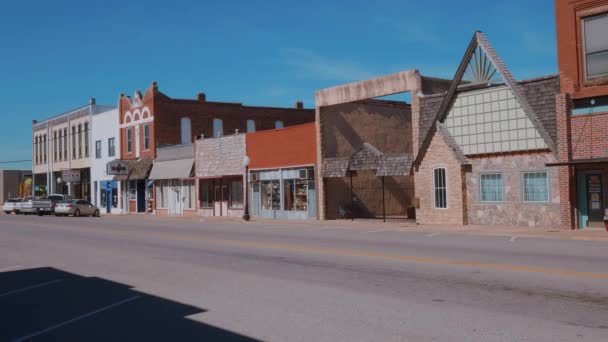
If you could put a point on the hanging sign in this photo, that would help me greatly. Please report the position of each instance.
(71, 176)
(117, 167)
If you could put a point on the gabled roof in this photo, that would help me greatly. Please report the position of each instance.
(480, 42)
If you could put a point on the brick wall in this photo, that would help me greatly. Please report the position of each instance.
(216, 157)
(440, 155)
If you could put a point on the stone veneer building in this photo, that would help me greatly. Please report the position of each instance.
(485, 146)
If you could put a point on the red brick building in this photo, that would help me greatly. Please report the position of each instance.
(582, 115)
(152, 120)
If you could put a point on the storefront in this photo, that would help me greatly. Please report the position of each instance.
(591, 191)
(133, 178)
(221, 196)
(284, 193)
(108, 196)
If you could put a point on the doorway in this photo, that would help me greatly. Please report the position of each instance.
(591, 203)
(220, 201)
(176, 203)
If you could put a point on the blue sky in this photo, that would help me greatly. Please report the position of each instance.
(55, 55)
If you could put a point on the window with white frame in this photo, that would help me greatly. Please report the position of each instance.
(535, 186)
(218, 128)
(595, 39)
(491, 187)
(98, 149)
(440, 187)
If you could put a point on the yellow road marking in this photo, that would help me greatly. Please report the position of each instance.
(354, 253)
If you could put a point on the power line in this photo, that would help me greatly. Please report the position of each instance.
(15, 161)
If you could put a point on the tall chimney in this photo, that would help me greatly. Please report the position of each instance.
(92, 101)
(299, 105)
(34, 122)
(154, 85)
(201, 97)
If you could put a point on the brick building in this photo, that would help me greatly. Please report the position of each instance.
(582, 111)
(485, 146)
(153, 120)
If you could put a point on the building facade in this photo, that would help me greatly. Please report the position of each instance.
(173, 175)
(153, 120)
(61, 150)
(486, 145)
(106, 192)
(582, 115)
(14, 183)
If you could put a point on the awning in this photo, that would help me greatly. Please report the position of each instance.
(138, 169)
(580, 162)
(172, 169)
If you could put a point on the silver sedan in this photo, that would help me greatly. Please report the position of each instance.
(77, 208)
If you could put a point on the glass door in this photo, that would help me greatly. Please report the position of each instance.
(595, 200)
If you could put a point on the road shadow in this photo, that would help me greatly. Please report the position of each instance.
(49, 304)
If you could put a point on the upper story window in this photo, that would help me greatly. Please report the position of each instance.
(146, 137)
(111, 147)
(73, 142)
(278, 124)
(595, 38)
(440, 188)
(36, 149)
(186, 131)
(54, 145)
(250, 126)
(45, 147)
(218, 128)
(60, 141)
(129, 139)
(98, 149)
(86, 139)
(65, 143)
(79, 141)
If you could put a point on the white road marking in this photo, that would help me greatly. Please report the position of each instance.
(9, 268)
(513, 238)
(434, 234)
(376, 231)
(56, 326)
(31, 287)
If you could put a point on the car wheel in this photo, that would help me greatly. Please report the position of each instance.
(96, 213)
(40, 213)
(7, 212)
(77, 213)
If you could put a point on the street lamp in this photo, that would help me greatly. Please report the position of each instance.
(246, 162)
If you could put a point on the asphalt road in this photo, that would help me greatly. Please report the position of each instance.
(141, 278)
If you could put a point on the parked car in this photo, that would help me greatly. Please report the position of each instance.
(76, 207)
(47, 205)
(26, 206)
(10, 205)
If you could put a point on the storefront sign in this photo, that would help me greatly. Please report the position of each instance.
(117, 167)
(72, 176)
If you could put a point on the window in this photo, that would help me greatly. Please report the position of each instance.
(132, 190)
(36, 150)
(206, 194)
(98, 149)
(186, 131)
(161, 194)
(44, 147)
(60, 145)
(295, 194)
(86, 139)
(278, 124)
(236, 194)
(218, 128)
(147, 137)
(73, 142)
(65, 143)
(491, 187)
(271, 194)
(79, 141)
(188, 194)
(129, 140)
(440, 186)
(111, 147)
(596, 45)
(250, 126)
(54, 145)
(536, 186)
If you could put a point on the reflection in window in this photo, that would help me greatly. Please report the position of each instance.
(271, 195)
(236, 194)
(295, 196)
(206, 194)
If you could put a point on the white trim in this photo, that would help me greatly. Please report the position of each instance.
(523, 184)
(128, 115)
(445, 174)
(134, 123)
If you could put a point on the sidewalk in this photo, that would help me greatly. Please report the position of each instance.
(589, 234)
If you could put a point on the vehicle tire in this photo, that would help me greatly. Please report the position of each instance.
(58, 215)
(96, 213)
(40, 213)
(77, 213)
(7, 212)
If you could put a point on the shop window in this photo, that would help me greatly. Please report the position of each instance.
(132, 190)
(295, 194)
(162, 193)
(440, 187)
(491, 187)
(98, 149)
(250, 126)
(206, 194)
(147, 137)
(218, 128)
(186, 131)
(129, 140)
(86, 139)
(271, 195)
(188, 194)
(278, 124)
(536, 186)
(102, 195)
(596, 45)
(111, 147)
(236, 194)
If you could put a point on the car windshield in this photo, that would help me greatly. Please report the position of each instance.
(55, 198)
(70, 201)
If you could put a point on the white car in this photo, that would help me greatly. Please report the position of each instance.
(25, 207)
(12, 205)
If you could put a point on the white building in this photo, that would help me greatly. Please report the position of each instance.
(105, 141)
